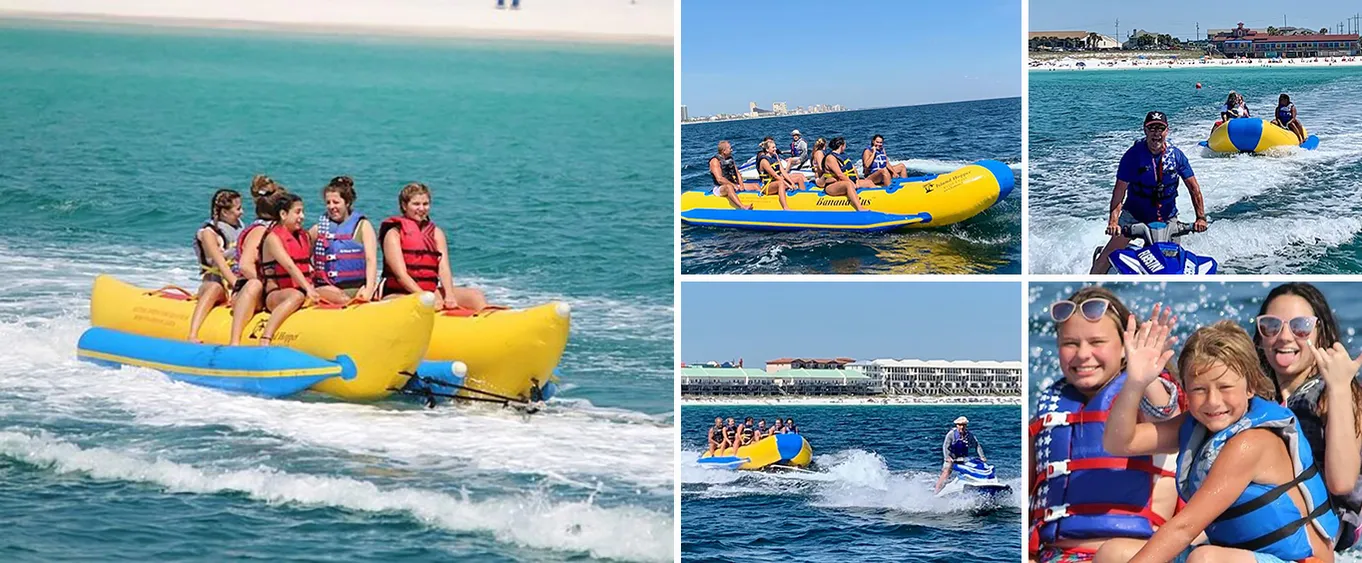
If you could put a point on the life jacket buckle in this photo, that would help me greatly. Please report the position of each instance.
(1053, 419)
(1053, 513)
(1056, 469)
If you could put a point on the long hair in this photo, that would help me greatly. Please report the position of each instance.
(1328, 335)
(223, 199)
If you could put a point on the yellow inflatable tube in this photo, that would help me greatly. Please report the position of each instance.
(784, 449)
(948, 198)
(506, 350)
(383, 339)
(1252, 134)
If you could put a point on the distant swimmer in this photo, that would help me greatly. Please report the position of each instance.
(716, 436)
(1286, 117)
(956, 449)
(724, 173)
(799, 151)
(839, 174)
(773, 179)
(876, 164)
(1147, 187)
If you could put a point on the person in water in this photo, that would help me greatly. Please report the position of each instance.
(799, 151)
(1147, 187)
(215, 248)
(1085, 500)
(1286, 117)
(286, 265)
(716, 436)
(772, 178)
(724, 173)
(249, 288)
(875, 163)
(1297, 340)
(956, 448)
(1234, 107)
(819, 151)
(345, 251)
(1247, 477)
(839, 174)
(416, 254)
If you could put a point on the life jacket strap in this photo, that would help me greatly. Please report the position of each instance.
(1062, 468)
(1052, 419)
(1053, 513)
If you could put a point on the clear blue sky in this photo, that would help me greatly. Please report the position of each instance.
(1179, 17)
(761, 51)
(760, 321)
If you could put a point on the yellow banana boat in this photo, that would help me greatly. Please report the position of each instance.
(783, 449)
(383, 339)
(506, 350)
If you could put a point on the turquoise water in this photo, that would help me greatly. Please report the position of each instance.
(870, 494)
(113, 141)
(933, 139)
(1298, 212)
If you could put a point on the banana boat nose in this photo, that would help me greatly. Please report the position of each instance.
(1002, 173)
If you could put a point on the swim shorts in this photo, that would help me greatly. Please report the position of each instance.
(1257, 556)
(1062, 555)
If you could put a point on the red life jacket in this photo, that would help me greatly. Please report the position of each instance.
(419, 253)
(299, 249)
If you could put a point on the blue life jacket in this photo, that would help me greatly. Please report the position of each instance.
(1263, 519)
(1081, 491)
(847, 163)
(775, 165)
(794, 149)
(1348, 506)
(960, 446)
(337, 258)
(1156, 188)
(1284, 113)
(879, 161)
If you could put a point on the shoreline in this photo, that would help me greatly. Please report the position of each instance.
(466, 20)
(850, 401)
(1103, 62)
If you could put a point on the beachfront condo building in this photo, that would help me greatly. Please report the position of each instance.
(698, 380)
(944, 378)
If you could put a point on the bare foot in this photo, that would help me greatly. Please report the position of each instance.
(195, 340)
(265, 341)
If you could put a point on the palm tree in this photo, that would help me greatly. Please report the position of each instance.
(1094, 40)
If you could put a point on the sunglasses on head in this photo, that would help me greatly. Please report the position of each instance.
(1269, 326)
(1092, 309)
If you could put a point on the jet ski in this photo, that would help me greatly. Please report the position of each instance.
(1154, 250)
(975, 477)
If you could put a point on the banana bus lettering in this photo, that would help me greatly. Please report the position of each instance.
(834, 201)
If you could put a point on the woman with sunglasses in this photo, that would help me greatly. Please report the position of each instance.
(1296, 337)
(1083, 498)
(1147, 187)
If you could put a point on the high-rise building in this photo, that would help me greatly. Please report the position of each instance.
(778, 107)
(685, 114)
(752, 107)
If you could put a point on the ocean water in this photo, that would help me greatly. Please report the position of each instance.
(113, 141)
(933, 139)
(1293, 212)
(870, 496)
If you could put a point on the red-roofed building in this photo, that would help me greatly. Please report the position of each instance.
(1254, 44)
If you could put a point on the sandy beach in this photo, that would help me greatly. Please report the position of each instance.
(1131, 61)
(617, 21)
(897, 400)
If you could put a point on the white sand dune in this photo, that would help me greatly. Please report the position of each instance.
(629, 21)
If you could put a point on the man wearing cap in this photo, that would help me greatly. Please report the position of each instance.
(1147, 187)
(956, 449)
(799, 151)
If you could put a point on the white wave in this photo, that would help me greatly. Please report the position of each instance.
(605, 447)
(531, 521)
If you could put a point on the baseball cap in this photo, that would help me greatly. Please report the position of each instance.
(1155, 117)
